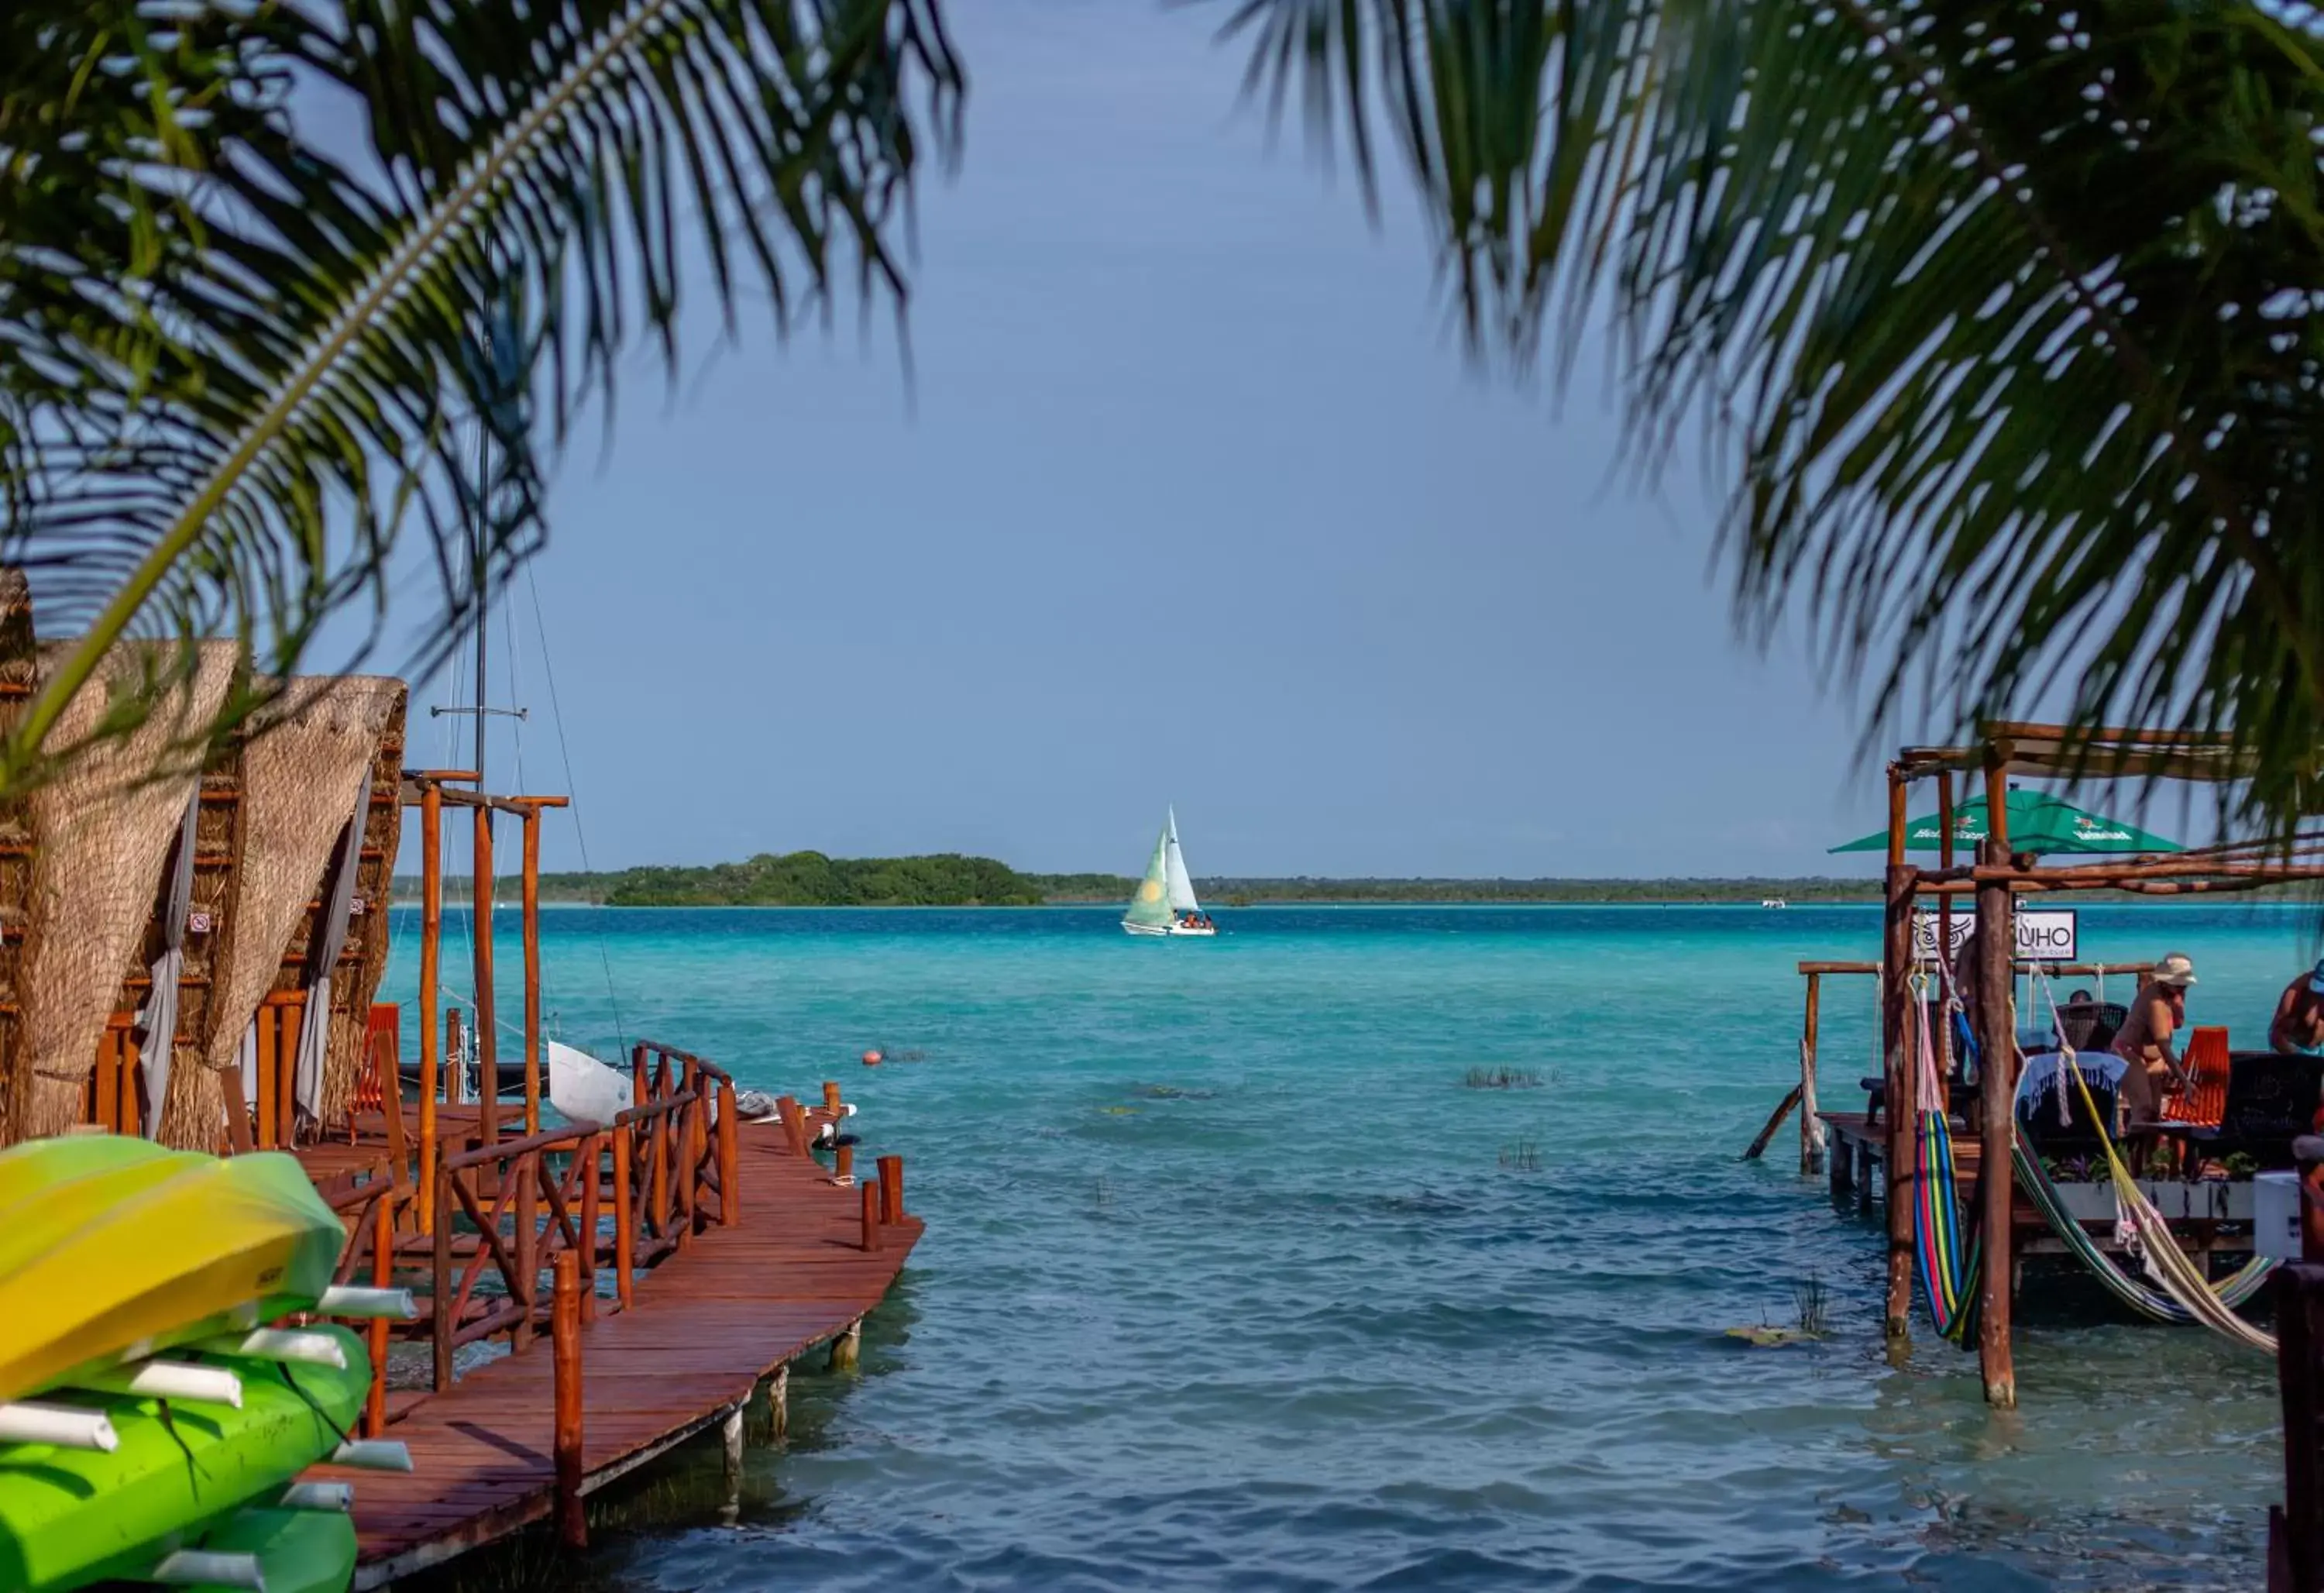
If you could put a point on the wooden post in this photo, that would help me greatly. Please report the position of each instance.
(106, 1111)
(1996, 1042)
(2296, 1532)
(431, 941)
(593, 1162)
(383, 1274)
(532, 971)
(441, 1275)
(290, 1016)
(2311, 1207)
(779, 1401)
(891, 1190)
(847, 1347)
(1897, 1095)
(1812, 1135)
(625, 1231)
(730, 1435)
(266, 1113)
(730, 1157)
(843, 1165)
(787, 1111)
(487, 1047)
(831, 1101)
(528, 1169)
(658, 1176)
(1943, 1035)
(871, 1189)
(641, 1091)
(565, 1346)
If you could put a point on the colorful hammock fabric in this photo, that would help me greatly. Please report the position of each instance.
(1945, 1249)
(2186, 1294)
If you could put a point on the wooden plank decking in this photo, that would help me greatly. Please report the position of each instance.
(708, 1324)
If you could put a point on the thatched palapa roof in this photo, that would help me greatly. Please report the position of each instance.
(302, 773)
(101, 832)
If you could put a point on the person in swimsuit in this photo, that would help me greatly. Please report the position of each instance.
(2158, 1012)
(2298, 1026)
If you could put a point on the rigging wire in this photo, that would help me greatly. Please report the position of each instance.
(573, 790)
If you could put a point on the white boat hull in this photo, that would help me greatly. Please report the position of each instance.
(585, 1089)
(1168, 931)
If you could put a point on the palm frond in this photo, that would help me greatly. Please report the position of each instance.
(2006, 315)
(233, 369)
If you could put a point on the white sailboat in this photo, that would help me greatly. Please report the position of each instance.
(1165, 904)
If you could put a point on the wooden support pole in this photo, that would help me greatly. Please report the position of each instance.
(440, 1274)
(891, 1190)
(267, 1115)
(593, 1164)
(831, 1101)
(382, 1274)
(532, 889)
(779, 1401)
(528, 1171)
(843, 1165)
(1897, 1098)
(870, 1188)
(793, 1121)
(2296, 1532)
(488, 1078)
(625, 1237)
(454, 1089)
(640, 1088)
(565, 1342)
(730, 1436)
(730, 1156)
(847, 1347)
(431, 945)
(291, 1015)
(1996, 1042)
(1812, 1130)
(2312, 1204)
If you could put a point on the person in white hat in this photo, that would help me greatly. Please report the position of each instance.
(2158, 1012)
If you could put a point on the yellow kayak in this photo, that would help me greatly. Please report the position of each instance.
(111, 1246)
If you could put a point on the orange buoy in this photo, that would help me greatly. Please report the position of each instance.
(872, 1058)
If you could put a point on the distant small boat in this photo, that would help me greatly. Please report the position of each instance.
(1773, 902)
(1165, 904)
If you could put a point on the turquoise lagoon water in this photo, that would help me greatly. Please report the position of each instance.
(1231, 1282)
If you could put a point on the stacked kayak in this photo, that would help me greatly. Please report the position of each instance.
(151, 1428)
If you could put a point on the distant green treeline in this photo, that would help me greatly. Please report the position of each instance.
(949, 879)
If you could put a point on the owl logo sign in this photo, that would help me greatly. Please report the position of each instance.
(2044, 934)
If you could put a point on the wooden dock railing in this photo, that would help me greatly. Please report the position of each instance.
(527, 1201)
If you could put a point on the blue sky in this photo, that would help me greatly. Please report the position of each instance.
(1193, 499)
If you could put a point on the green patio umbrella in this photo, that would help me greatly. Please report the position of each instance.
(2038, 823)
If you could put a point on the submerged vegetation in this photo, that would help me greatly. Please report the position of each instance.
(1502, 1078)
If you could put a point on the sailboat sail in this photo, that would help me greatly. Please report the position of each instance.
(1150, 907)
(1182, 887)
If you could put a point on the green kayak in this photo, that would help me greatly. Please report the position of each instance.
(298, 1550)
(71, 1516)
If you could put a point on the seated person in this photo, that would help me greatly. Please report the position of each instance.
(2298, 1026)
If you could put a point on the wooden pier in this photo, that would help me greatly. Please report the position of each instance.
(706, 1326)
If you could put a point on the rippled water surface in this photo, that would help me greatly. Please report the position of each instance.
(1231, 1281)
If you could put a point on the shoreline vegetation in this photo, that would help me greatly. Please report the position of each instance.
(949, 879)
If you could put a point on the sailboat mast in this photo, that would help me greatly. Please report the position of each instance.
(476, 554)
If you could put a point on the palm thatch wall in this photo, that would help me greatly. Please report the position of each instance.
(364, 959)
(101, 832)
(19, 666)
(302, 768)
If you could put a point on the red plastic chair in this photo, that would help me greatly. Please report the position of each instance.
(2202, 1102)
